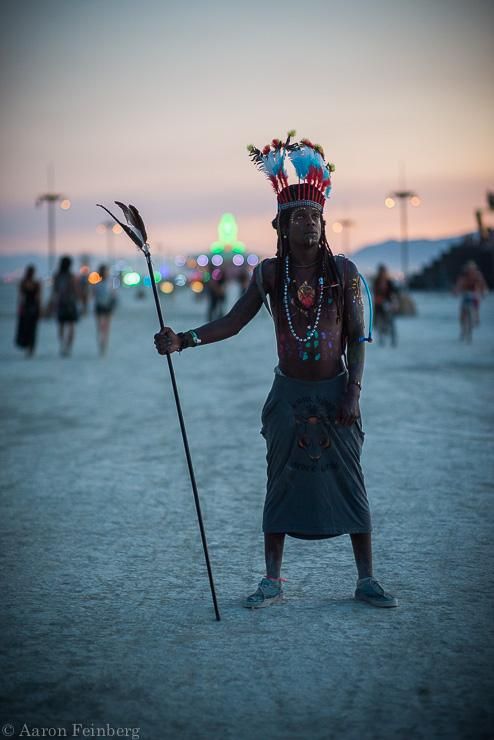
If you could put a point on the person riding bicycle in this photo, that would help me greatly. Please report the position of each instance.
(471, 287)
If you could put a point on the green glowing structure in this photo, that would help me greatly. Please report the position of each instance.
(227, 236)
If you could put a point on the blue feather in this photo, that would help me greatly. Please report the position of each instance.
(273, 163)
(301, 160)
(319, 163)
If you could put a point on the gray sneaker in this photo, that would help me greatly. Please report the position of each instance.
(371, 591)
(268, 592)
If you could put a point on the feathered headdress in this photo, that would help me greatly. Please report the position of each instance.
(314, 174)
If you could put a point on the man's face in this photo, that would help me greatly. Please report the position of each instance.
(305, 227)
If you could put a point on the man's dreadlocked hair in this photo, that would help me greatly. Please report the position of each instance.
(330, 272)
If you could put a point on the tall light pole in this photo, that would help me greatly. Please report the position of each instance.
(51, 199)
(404, 197)
(110, 228)
(343, 227)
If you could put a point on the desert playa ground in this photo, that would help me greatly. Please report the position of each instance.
(107, 616)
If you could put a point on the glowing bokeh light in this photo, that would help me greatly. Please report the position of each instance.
(180, 281)
(337, 227)
(117, 229)
(100, 229)
(389, 203)
(131, 278)
(217, 247)
(217, 259)
(94, 278)
(191, 263)
(238, 260)
(197, 286)
(157, 276)
(167, 287)
(202, 260)
(415, 200)
(180, 260)
(227, 229)
(216, 274)
(206, 276)
(253, 260)
(65, 204)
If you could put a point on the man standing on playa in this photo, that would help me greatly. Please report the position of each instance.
(311, 418)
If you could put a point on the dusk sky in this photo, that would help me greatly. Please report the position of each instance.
(154, 103)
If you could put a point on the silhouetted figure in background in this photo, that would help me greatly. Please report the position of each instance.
(471, 286)
(83, 287)
(216, 295)
(243, 280)
(64, 300)
(386, 304)
(29, 309)
(104, 303)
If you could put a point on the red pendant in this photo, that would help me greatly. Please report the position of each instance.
(306, 295)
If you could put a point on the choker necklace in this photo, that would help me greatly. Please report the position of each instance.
(310, 330)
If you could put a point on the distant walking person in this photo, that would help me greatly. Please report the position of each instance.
(29, 309)
(64, 300)
(385, 305)
(83, 287)
(216, 295)
(104, 303)
(471, 287)
(243, 279)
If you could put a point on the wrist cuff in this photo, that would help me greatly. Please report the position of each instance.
(188, 339)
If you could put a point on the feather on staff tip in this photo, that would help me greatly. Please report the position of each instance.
(138, 221)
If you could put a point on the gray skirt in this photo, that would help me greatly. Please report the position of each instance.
(315, 485)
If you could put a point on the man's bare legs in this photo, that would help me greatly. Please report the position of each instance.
(362, 550)
(273, 552)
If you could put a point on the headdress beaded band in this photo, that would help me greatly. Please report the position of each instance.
(298, 204)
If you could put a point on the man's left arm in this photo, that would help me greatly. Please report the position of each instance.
(353, 328)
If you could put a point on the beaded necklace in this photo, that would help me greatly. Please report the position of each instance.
(310, 330)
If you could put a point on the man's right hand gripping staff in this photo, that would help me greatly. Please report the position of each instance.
(167, 342)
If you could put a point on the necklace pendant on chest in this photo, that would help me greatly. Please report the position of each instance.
(304, 288)
(306, 295)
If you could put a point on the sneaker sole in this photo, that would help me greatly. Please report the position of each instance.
(372, 602)
(263, 604)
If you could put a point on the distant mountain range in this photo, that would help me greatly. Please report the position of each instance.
(421, 252)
